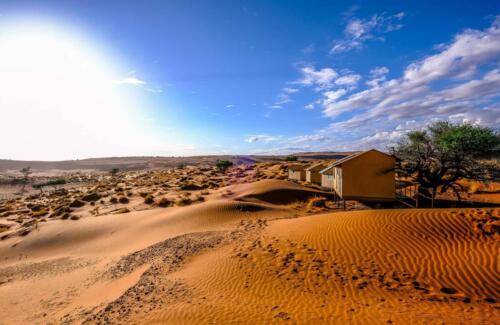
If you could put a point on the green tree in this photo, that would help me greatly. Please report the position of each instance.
(26, 171)
(445, 153)
(223, 165)
(290, 158)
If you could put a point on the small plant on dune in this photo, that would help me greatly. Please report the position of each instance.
(183, 201)
(26, 171)
(316, 202)
(114, 171)
(223, 165)
(164, 202)
(76, 204)
(73, 217)
(40, 213)
(149, 199)
(113, 200)
(122, 210)
(199, 198)
(123, 200)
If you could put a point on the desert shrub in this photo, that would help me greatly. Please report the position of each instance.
(143, 194)
(123, 200)
(316, 202)
(76, 204)
(183, 201)
(65, 216)
(149, 199)
(130, 193)
(113, 200)
(290, 158)
(198, 198)
(73, 217)
(91, 197)
(223, 165)
(164, 202)
(40, 213)
(114, 171)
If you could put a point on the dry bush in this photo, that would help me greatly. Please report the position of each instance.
(122, 210)
(198, 198)
(113, 200)
(316, 202)
(123, 200)
(149, 199)
(164, 202)
(183, 201)
(76, 204)
(73, 217)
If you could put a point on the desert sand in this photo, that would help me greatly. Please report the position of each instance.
(242, 248)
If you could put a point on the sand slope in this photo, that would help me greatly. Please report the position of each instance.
(403, 266)
(246, 255)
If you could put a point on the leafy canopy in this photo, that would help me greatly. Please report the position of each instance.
(223, 165)
(446, 153)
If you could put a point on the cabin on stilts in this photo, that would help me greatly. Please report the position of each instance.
(366, 176)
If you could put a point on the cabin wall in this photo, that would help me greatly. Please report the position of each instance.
(313, 177)
(297, 175)
(326, 180)
(337, 180)
(370, 176)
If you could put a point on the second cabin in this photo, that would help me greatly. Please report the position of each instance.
(297, 172)
(364, 176)
(313, 173)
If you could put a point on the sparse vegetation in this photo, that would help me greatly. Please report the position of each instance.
(149, 199)
(290, 158)
(223, 165)
(26, 172)
(164, 202)
(445, 153)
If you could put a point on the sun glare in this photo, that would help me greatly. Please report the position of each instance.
(58, 95)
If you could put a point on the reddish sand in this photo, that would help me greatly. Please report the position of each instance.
(247, 255)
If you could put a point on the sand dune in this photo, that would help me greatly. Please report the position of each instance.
(249, 255)
(274, 192)
(418, 266)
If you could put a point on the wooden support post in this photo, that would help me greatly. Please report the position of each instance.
(343, 203)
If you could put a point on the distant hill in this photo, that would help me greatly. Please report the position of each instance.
(135, 163)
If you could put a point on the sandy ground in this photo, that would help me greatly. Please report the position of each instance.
(250, 253)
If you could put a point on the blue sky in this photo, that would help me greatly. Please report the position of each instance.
(242, 77)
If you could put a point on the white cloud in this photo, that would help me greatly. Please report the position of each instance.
(131, 81)
(332, 96)
(348, 80)
(358, 31)
(229, 106)
(322, 79)
(413, 93)
(290, 90)
(460, 83)
(262, 138)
